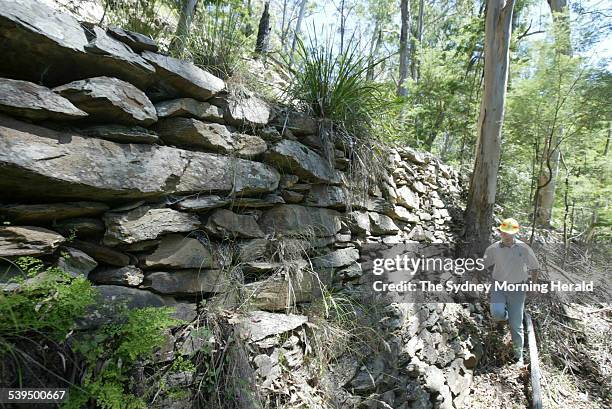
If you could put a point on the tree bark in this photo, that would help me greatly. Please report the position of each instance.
(483, 183)
(414, 60)
(298, 27)
(263, 33)
(548, 179)
(182, 29)
(403, 47)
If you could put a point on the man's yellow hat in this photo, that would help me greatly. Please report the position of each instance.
(509, 226)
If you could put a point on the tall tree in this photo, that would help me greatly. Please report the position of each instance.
(298, 26)
(417, 38)
(483, 183)
(403, 46)
(547, 181)
(263, 33)
(182, 29)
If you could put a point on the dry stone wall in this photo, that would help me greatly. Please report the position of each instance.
(144, 173)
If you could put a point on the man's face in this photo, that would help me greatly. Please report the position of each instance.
(506, 237)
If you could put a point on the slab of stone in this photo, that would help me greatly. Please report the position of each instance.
(403, 214)
(121, 133)
(338, 258)
(81, 227)
(44, 163)
(110, 99)
(130, 276)
(75, 262)
(178, 252)
(28, 100)
(381, 224)
(406, 197)
(202, 203)
(225, 223)
(44, 213)
(16, 241)
(244, 110)
(298, 123)
(358, 222)
(327, 196)
(146, 223)
(291, 197)
(194, 133)
(278, 294)
(293, 157)
(32, 32)
(186, 282)
(136, 41)
(130, 297)
(248, 146)
(183, 78)
(189, 108)
(257, 325)
(102, 254)
(254, 202)
(296, 220)
(254, 249)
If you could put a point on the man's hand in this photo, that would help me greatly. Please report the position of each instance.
(533, 276)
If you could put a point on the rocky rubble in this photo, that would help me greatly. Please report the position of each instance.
(165, 190)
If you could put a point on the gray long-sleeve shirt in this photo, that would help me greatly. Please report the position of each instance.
(511, 264)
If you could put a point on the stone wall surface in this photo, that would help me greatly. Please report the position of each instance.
(145, 174)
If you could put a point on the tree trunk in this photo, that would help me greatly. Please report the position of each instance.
(263, 33)
(298, 27)
(414, 61)
(546, 195)
(182, 29)
(374, 47)
(483, 183)
(403, 47)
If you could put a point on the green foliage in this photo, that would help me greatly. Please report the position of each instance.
(118, 347)
(149, 17)
(219, 37)
(334, 86)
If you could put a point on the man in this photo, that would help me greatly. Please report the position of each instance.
(513, 262)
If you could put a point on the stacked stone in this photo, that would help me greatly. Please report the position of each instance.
(145, 174)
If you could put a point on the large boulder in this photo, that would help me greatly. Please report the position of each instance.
(193, 133)
(190, 108)
(177, 77)
(16, 241)
(225, 223)
(186, 282)
(31, 32)
(28, 100)
(178, 252)
(39, 162)
(110, 99)
(293, 157)
(146, 223)
(296, 220)
(45, 213)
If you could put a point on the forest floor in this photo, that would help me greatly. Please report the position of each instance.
(574, 342)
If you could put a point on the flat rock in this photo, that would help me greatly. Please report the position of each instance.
(202, 203)
(244, 110)
(183, 77)
(327, 196)
(338, 258)
(381, 224)
(250, 250)
(358, 222)
(28, 100)
(293, 157)
(136, 41)
(225, 223)
(75, 262)
(268, 200)
(186, 282)
(130, 297)
(178, 252)
(110, 99)
(121, 133)
(102, 254)
(189, 108)
(295, 220)
(38, 162)
(43, 213)
(81, 227)
(434, 379)
(16, 241)
(278, 294)
(146, 223)
(194, 133)
(32, 32)
(248, 146)
(298, 123)
(403, 214)
(128, 275)
(257, 325)
(406, 197)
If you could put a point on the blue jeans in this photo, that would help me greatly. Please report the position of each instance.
(509, 305)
